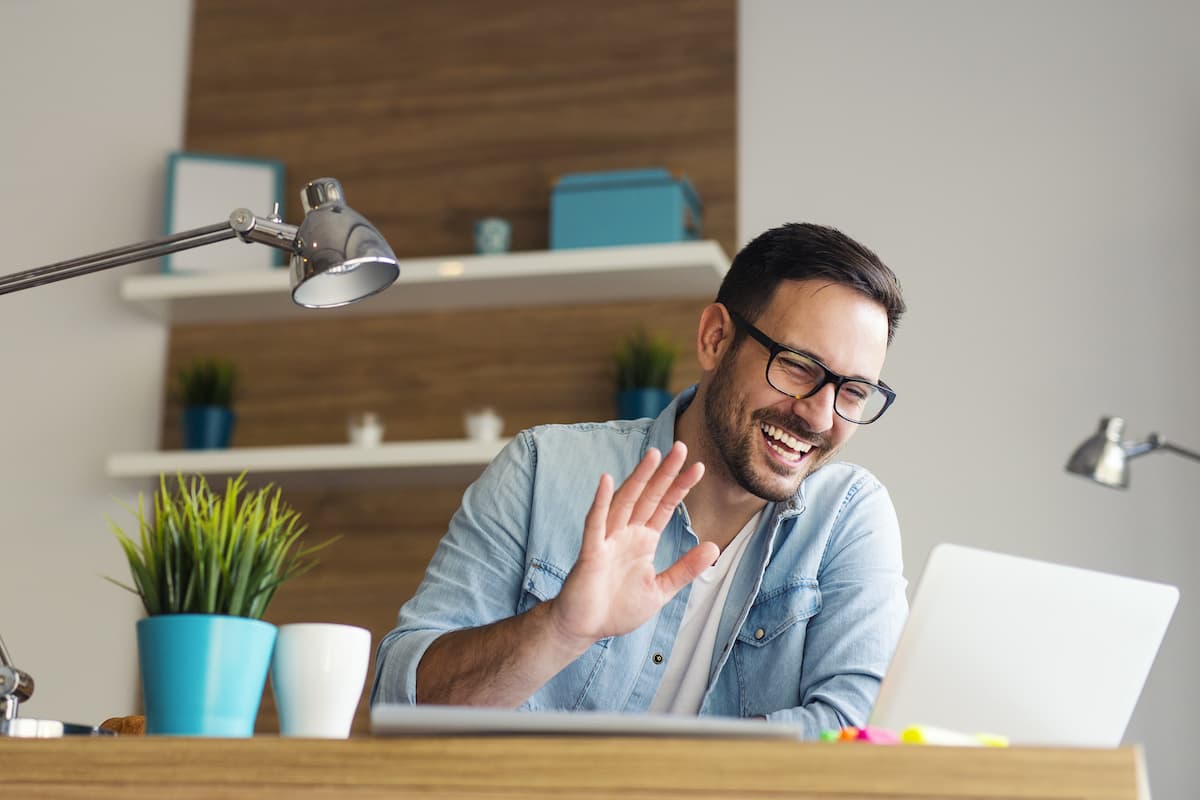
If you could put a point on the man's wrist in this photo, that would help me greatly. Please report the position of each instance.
(571, 645)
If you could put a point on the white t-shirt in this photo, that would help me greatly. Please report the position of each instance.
(686, 677)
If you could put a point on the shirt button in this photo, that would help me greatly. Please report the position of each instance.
(658, 658)
(760, 633)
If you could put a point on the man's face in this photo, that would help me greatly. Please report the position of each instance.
(766, 441)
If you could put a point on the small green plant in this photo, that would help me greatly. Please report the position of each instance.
(207, 382)
(644, 362)
(204, 552)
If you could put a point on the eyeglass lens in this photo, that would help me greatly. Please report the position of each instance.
(796, 375)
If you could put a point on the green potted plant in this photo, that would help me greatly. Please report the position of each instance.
(206, 564)
(205, 388)
(644, 365)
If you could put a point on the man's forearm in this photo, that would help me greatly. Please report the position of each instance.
(501, 664)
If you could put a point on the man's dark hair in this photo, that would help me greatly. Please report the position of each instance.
(799, 252)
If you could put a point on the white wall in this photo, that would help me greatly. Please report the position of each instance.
(91, 101)
(1032, 172)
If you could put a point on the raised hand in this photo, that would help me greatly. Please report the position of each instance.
(613, 587)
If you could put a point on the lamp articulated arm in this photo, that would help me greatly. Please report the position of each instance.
(1157, 443)
(338, 257)
(242, 224)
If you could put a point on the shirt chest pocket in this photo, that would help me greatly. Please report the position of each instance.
(776, 611)
(543, 581)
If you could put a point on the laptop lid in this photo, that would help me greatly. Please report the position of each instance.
(1042, 653)
(397, 719)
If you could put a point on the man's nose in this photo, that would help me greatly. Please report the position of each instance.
(817, 411)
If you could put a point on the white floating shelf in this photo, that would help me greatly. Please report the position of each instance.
(594, 274)
(427, 462)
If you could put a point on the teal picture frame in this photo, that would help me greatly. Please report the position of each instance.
(203, 189)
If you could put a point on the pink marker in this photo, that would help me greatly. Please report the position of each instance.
(877, 736)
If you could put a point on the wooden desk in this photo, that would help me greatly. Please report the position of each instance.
(128, 768)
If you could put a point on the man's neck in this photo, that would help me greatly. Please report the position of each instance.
(718, 506)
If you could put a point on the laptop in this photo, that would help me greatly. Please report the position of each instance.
(396, 719)
(1042, 653)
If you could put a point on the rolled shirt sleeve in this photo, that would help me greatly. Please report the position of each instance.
(474, 577)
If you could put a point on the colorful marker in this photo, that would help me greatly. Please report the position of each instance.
(924, 734)
(878, 736)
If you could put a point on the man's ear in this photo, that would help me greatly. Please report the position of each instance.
(713, 336)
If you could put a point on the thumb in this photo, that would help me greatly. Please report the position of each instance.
(687, 568)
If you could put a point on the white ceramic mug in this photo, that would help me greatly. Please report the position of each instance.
(317, 674)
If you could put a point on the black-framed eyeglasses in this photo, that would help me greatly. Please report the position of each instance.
(799, 375)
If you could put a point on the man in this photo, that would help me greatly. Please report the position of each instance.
(775, 591)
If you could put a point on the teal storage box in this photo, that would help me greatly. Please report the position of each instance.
(640, 206)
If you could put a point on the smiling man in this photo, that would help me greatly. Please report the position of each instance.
(775, 590)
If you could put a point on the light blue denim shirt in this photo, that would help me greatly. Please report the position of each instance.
(809, 626)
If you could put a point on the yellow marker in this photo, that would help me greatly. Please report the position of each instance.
(924, 734)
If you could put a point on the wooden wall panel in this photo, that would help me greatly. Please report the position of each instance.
(302, 379)
(435, 114)
(432, 115)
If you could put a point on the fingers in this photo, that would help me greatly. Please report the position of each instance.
(658, 484)
(594, 527)
(649, 495)
(674, 496)
(627, 496)
(686, 569)
(664, 480)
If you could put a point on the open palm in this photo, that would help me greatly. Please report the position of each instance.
(613, 587)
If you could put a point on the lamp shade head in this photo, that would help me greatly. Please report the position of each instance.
(338, 256)
(1102, 457)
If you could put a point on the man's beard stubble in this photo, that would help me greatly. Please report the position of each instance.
(735, 448)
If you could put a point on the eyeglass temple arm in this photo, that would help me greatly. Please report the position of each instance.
(242, 224)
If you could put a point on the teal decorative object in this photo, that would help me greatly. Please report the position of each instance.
(638, 403)
(643, 365)
(207, 427)
(620, 207)
(492, 235)
(206, 388)
(203, 674)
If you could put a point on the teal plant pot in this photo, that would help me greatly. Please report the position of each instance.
(638, 403)
(203, 674)
(207, 427)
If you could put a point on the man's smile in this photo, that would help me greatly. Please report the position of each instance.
(783, 445)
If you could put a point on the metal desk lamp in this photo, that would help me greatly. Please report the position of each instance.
(1105, 458)
(338, 257)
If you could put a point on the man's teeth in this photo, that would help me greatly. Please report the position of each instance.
(786, 438)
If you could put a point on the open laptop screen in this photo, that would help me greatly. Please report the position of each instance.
(1042, 653)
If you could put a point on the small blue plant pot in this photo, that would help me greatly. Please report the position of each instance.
(207, 427)
(638, 403)
(203, 674)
